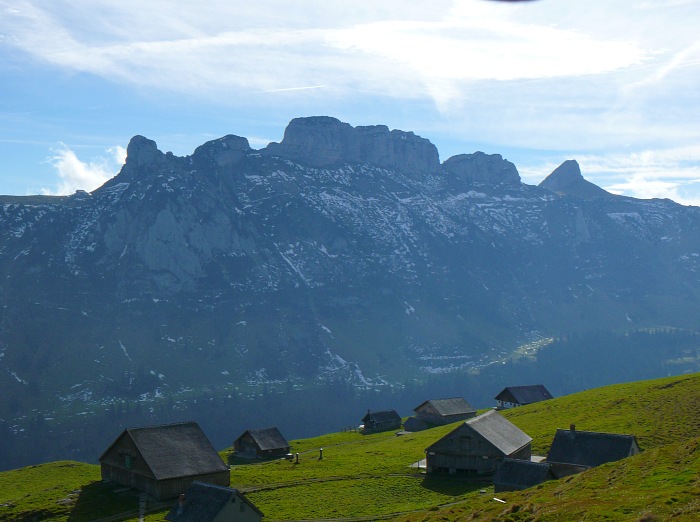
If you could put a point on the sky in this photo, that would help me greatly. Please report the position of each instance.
(613, 84)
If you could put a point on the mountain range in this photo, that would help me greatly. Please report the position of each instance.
(340, 254)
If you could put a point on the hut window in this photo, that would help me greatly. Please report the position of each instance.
(127, 461)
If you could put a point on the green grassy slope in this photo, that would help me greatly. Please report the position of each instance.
(660, 484)
(657, 412)
(369, 477)
(59, 491)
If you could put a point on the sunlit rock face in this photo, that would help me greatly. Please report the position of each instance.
(324, 142)
(480, 167)
(339, 254)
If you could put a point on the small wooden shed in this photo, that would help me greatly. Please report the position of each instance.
(384, 420)
(164, 460)
(262, 444)
(444, 411)
(478, 445)
(210, 503)
(573, 451)
(521, 395)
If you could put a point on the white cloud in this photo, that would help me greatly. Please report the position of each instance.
(672, 173)
(408, 57)
(74, 174)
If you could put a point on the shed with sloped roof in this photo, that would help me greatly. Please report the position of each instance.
(262, 444)
(383, 420)
(574, 450)
(478, 445)
(522, 395)
(210, 503)
(163, 460)
(444, 411)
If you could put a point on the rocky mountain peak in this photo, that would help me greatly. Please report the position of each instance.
(484, 168)
(222, 152)
(142, 158)
(323, 141)
(142, 151)
(567, 179)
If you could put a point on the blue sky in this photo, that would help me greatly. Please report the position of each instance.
(613, 84)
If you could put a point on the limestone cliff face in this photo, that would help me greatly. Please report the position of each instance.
(323, 141)
(484, 168)
(340, 253)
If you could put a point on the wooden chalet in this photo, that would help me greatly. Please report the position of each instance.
(209, 503)
(521, 395)
(163, 461)
(438, 412)
(573, 451)
(514, 475)
(262, 444)
(385, 420)
(478, 446)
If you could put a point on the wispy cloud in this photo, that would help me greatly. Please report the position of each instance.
(669, 173)
(415, 58)
(288, 89)
(672, 173)
(75, 174)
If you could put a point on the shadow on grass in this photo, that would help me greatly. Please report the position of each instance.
(455, 486)
(99, 500)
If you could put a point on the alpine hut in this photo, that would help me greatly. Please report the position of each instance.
(385, 420)
(164, 460)
(573, 451)
(521, 395)
(478, 445)
(262, 444)
(209, 503)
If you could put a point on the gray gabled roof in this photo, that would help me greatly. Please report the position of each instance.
(521, 474)
(203, 502)
(590, 448)
(174, 450)
(524, 394)
(499, 431)
(451, 406)
(382, 416)
(267, 438)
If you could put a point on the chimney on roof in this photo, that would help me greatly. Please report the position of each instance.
(572, 427)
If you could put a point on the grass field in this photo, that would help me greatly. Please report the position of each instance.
(367, 477)
(60, 491)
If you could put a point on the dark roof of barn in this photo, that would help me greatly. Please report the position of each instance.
(203, 502)
(589, 448)
(382, 416)
(451, 406)
(499, 431)
(524, 394)
(174, 450)
(521, 474)
(268, 438)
